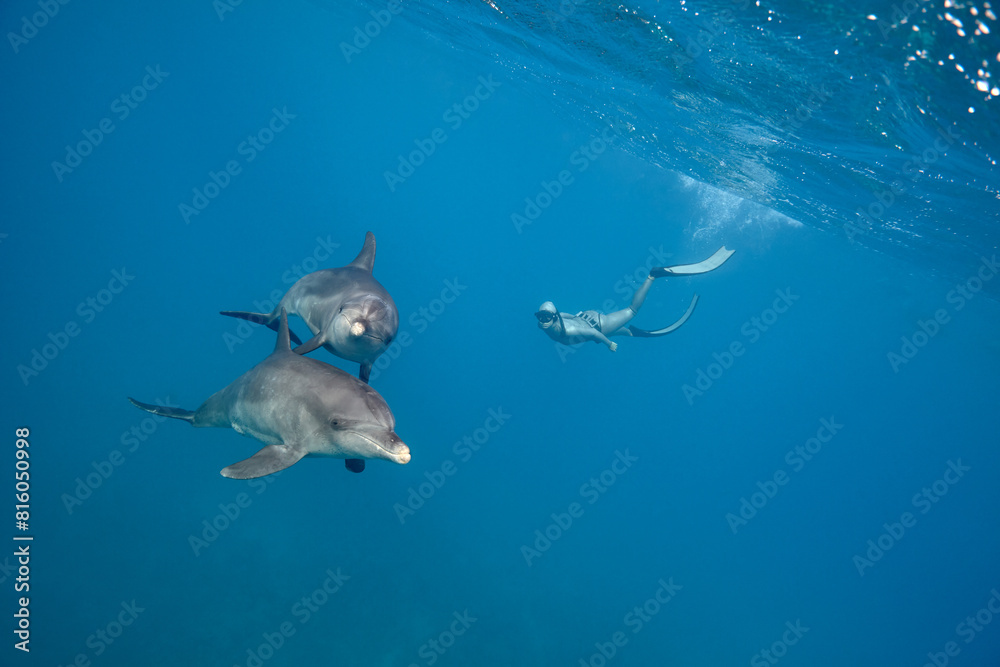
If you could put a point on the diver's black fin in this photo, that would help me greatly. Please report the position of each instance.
(642, 333)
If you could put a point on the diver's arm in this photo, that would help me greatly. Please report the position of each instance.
(577, 327)
(601, 338)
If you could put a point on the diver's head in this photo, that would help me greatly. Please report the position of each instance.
(547, 315)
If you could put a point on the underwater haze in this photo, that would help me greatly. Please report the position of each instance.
(804, 473)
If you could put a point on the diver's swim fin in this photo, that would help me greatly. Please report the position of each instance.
(642, 333)
(710, 264)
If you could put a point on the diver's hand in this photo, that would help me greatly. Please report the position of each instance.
(613, 347)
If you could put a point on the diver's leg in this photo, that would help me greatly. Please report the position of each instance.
(612, 322)
(640, 294)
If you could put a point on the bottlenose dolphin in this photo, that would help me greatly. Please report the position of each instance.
(595, 326)
(347, 310)
(299, 407)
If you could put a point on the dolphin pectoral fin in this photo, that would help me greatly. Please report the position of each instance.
(366, 371)
(710, 264)
(355, 465)
(311, 344)
(269, 460)
(642, 333)
(267, 319)
(175, 413)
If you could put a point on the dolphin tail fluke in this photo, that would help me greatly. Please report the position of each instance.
(174, 413)
(642, 333)
(269, 460)
(267, 319)
(710, 264)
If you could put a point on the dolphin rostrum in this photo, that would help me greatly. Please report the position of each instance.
(299, 407)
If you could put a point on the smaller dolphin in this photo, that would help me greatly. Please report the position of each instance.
(349, 312)
(299, 407)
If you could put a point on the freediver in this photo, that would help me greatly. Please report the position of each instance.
(595, 326)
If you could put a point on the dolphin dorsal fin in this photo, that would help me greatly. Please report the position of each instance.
(283, 344)
(366, 258)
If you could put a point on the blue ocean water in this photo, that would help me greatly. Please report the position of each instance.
(804, 473)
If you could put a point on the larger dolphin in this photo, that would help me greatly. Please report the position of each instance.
(347, 310)
(299, 407)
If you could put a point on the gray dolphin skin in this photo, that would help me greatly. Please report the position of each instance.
(347, 310)
(299, 407)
